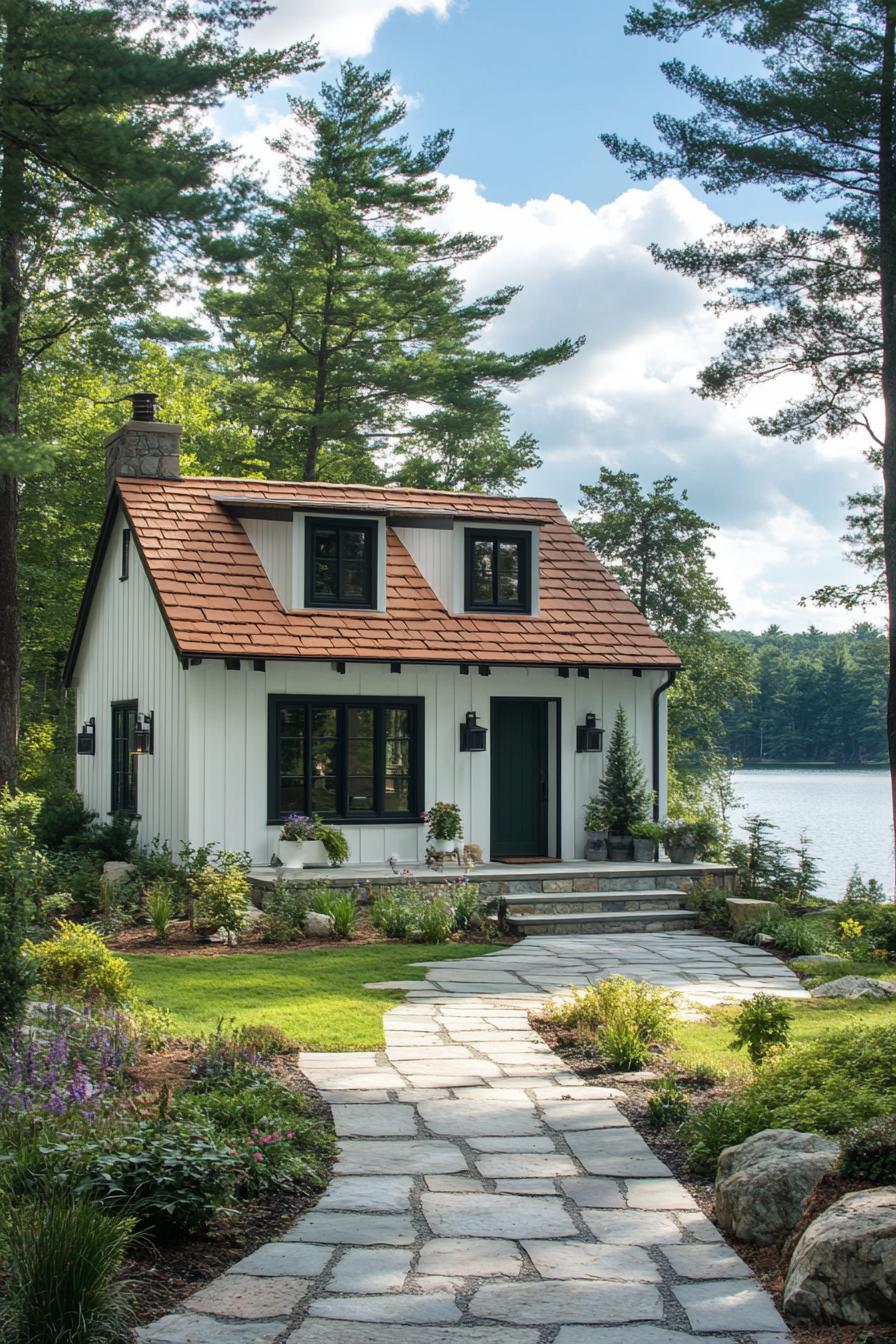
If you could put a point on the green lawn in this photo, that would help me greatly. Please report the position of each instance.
(318, 998)
(709, 1042)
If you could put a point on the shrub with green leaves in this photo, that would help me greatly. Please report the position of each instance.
(436, 919)
(468, 907)
(61, 1260)
(626, 1017)
(868, 1152)
(76, 963)
(174, 1177)
(263, 1038)
(342, 909)
(761, 1026)
(667, 1104)
(832, 1084)
(396, 912)
(285, 906)
(221, 895)
(720, 1124)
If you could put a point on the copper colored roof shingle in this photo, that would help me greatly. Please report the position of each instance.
(218, 600)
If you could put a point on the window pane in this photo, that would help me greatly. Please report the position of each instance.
(326, 543)
(508, 571)
(354, 544)
(397, 722)
(325, 578)
(323, 794)
(354, 580)
(361, 793)
(398, 756)
(292, 795)
(482, 561)
(292, 755)
(323, 721)
(398, 794)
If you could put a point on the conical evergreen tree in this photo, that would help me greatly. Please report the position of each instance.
(623, 795)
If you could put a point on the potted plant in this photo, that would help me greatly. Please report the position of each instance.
(444, 827)
(646, 835)
(623, 798)
(680, 839)
(310, 842)
(595, 832)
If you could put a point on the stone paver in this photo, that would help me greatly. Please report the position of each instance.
(484, 1194)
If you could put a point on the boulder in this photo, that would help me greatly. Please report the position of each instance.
(844, 1265)
(763, 1183)
(318, 925)
(855, 987)
(743, 911)
(115, 870)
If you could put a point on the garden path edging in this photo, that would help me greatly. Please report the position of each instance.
(484, 1194)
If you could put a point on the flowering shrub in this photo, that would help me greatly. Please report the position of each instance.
(851, 929)
(76, 963)
(68, 1066)
(224, 1060)
(444, 822)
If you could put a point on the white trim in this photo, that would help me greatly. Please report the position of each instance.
(461, 527)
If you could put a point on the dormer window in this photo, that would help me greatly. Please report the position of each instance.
(340, 563)
(498, 571)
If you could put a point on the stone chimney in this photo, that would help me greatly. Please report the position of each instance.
(143, 446)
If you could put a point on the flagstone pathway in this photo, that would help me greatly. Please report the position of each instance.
(484, 1194)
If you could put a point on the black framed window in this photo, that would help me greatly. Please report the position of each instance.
(124, 763)
(355, 759)
(340, 563)
(498, 571)
(125, 552)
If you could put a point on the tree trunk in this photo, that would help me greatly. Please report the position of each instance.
(12, 186)
(887, 217)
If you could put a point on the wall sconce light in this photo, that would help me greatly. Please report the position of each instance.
(472, 734)
(87, 738)
(588, 736)
(144, 733)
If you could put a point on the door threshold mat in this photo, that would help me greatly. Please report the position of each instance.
(525, 858)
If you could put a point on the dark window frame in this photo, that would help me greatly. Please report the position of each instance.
(379, 703)
(125, 553)
(340, 526)
(524, 541)
(121, 800)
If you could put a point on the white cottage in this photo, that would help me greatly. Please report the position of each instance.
(246, 649)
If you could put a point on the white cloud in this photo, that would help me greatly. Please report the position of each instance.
(343, 28)
(626, 401)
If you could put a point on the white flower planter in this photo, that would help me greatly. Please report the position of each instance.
(444, 846)
(303, 854)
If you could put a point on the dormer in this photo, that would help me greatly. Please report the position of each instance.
(475, 565)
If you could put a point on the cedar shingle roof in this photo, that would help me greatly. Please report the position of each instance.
(218, 600)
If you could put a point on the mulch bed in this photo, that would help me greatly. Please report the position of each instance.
(162, 1276)
(183, 941)
(769, 1263)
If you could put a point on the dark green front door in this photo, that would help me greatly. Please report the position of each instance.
(519, 752)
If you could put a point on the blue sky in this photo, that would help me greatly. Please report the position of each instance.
(527, 86)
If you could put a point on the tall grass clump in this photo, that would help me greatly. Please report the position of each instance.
(625, 1017)
(61, 1257)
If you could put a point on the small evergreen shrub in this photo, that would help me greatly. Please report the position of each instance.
(113, 841)
(667, 1104)
(76, 963)
(868, 1152)
(62, 1255)
(626, 1017)
(761, 1026)
(623, 797)
(436, 920)
(720, 1124)
(342, 909)
(61, 820)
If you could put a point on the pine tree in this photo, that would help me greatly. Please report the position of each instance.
(354, 338)
(105, 174)
(623, 796)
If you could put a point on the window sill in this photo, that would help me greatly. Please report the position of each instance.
(409, 820)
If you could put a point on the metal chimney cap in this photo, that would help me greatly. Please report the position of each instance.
(143, 405)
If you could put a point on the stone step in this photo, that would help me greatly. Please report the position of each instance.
(602, 921)
(591, 902)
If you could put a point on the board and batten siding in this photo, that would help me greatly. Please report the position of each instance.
(272, 539)
(228, 732)
(126, 654)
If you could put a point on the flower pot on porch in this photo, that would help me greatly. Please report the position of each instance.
(596, 846)
(682, 853)
(314, 854)
(290, 853)
(619, 848)
(643, 849)
(443, 846)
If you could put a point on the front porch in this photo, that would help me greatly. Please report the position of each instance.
(572, 896)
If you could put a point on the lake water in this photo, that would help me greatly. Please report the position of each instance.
(845, 814)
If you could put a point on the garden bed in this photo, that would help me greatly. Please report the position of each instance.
(184, 940)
